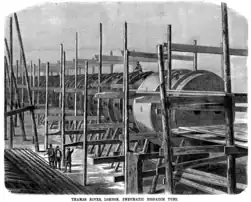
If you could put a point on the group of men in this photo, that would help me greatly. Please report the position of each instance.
(55, 158)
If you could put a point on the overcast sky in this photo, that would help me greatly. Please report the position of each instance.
(45, 26)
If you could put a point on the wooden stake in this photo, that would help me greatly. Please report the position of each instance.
(63, 110)
(229, 118)
(46, 106)
(11, 85)
(85, 146)
(165, 117)
(76, 81)
(98, 147)
(33, 83)
(28, 84)
(195, 60)
(5, 98)
(222, 63)
(111, 70)
(38, 81)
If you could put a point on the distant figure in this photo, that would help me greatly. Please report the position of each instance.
(138, 68)
(51, 155)
(58, 158)
(68, 159)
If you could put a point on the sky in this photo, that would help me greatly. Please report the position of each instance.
(45, 26)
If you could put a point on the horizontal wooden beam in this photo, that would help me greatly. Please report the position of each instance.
(222, 179)
(198, 186)
(17, 111)
(234, 150)
(102, 142)
(206, 49)
(188, 98)
(109, 159)
(81, 118)
(74, 144)
(113, 95)
(140, 136)
(152, 57)
(200, 162)
(197, 149)
(105, 125)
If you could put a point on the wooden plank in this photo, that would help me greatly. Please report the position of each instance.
(197, 149)
(186, 98)
(141, 136)
(165, 113)
(46, 118)
(111, 95)
(217, 133)
(81, 118)
(105, 125)
(207, 49)
(195, 61)
(215, 177)
(200, 162)
(62, 124)
(214, 139)
(102, 142)
(134, 180)
(198, 186)
(152, 57)
(118, 85)
(234, 150)
(17, 111)
(85, 132)
(109, 159)
(74, 144)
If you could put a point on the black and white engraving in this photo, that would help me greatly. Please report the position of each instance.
(126, 98)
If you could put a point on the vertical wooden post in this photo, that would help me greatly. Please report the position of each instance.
(98, 148)
(38, 80)
(135, 180)
(229, 118)
(18, 105)
(165, 120)
(28, 84)
(63, 110)
(222, 63)
(76, 81)
(127, 153)
(5, 98)
(33, 84)
(60, 79)
(85, 146)
(11, 85)
(22, 90)
(111, 67)
(195, 58)
(17, 93)
(31, 81)
(46, 105)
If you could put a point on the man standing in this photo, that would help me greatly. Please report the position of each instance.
(68, 160)
(58, 157)
(51, 156)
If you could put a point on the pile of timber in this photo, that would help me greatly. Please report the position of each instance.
(27, 172)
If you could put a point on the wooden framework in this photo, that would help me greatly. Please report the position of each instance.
(98, 135)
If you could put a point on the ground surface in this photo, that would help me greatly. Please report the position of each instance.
(100, 177)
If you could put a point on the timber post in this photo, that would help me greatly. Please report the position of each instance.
(85, 146)
(229, 118)
(27, 84)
